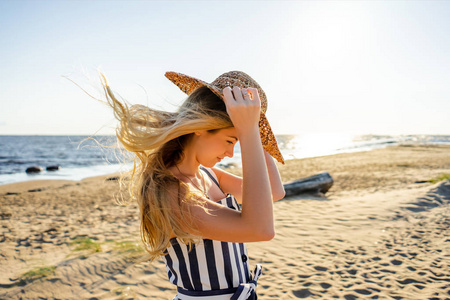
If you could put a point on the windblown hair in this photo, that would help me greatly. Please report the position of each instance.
(158, 139)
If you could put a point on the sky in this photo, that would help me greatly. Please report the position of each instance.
(327, 67)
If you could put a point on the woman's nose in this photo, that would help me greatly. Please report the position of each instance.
(230, 152)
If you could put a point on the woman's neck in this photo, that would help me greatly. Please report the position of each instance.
(189, 165)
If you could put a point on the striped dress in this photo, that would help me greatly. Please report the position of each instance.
(211, 269)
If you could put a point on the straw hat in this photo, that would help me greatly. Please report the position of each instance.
(189, 84)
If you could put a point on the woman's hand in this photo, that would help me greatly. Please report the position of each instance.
(243, 107)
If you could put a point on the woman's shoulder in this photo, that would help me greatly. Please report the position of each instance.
(211, 171)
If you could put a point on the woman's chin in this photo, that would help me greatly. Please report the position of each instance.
(209, 164)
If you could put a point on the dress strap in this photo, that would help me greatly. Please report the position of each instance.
(211, 176)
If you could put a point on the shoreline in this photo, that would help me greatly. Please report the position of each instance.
(80, 173)
(381, 231)
(285, 170)
(43, 184)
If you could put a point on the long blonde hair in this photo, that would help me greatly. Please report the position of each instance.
(158, 138)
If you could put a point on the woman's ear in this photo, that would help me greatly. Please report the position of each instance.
(200, 132)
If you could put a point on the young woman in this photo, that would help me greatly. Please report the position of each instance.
(190, 212)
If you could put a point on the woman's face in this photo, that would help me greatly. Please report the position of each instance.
(211, 148)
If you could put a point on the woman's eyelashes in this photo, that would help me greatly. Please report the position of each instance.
(230, 142)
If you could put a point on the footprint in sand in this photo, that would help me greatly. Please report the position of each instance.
(376, 258)
(363, 291)
(325, 285)
(409, 280)
(303, 293)
(352, 271)
(387, 271)
(420, 287)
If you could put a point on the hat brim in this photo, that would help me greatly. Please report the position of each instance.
(189, 84)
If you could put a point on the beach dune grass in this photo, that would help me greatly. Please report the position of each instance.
(130, 247)
(442, 177)
(36, 273)
(86, 243)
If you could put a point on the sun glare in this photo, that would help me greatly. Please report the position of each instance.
(317, 144)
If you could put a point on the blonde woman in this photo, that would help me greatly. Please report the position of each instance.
(190, 210)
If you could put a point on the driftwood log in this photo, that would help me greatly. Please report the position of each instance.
(316, 184)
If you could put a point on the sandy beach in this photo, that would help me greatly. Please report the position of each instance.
(381, 232)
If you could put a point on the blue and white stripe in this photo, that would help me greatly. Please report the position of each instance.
(211, 269)
(210, 265)
(245, 291)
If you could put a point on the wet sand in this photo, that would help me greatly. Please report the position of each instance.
(381, 232)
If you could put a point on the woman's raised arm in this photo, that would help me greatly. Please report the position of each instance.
(255, 221)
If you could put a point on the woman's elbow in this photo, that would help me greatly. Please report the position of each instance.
(279, 195)
(266, 234)
(269, 235)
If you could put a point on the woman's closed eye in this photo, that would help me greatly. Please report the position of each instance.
(230, 142)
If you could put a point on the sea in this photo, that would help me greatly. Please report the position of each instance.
(79, 157)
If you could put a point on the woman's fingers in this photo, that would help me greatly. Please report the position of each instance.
(246, 94)
(254, 94)
(243, 107)
(237, 94)
(241, 97)
(240, 94)
(228, 97)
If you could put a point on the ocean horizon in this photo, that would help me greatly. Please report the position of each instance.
(80, 156)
